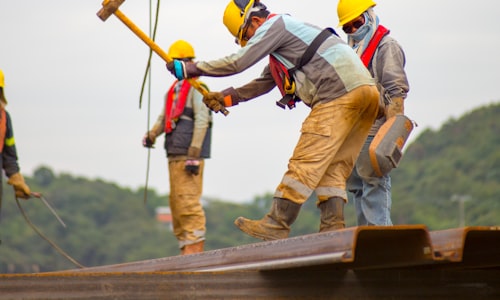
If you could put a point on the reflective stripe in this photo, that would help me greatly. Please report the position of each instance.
(296, 185)
(328, 192)
(10, 141)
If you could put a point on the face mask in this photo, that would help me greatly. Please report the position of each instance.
(360, 33)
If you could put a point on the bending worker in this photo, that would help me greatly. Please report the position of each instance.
(332, 82)
(385, 60)
(187, 124)
(8, 149)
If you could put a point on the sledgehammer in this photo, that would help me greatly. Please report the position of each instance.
(110, 7)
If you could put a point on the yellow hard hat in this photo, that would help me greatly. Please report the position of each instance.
(2, 79)
(348, 10)
(235, 17)
(181, 49)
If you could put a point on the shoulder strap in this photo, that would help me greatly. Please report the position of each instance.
(367, 55)
(313, 47)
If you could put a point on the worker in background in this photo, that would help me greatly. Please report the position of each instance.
(186, 122)
(385, 60)
(8, 149)
(333, 83)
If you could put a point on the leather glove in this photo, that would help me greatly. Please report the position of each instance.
(395, 107)
(216, 101)
(192, 165)
(149, 140)
(183, 69)
(20, 187)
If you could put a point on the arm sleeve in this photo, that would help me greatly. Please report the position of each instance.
(259, 86)
(159, 125)
(202, 119)
(389, 70)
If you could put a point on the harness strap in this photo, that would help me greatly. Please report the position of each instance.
(379, 34)
(313, 47)
(289, 99)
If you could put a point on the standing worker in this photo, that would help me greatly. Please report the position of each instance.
(8, 149)
(385, 60)
(187, 124)
(329, 78)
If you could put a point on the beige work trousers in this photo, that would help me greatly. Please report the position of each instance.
(331, 138)
(188, 216)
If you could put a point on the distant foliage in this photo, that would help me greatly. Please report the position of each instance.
(108, 224)
(462, 159)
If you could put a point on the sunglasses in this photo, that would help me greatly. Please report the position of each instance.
(349, 27)
(244, 38)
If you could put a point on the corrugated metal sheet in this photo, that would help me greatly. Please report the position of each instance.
(369, 262)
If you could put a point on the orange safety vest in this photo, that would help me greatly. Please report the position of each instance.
(3, 128)
(175, 101)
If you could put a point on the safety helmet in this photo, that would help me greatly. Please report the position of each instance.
(181, 49)
(236, 16)
(3, 101)
(348, 10)
(2, 80)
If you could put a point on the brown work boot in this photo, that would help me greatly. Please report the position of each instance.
(275, 224)
(192, 248)
(332, 214)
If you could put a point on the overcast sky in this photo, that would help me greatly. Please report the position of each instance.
(73, 84)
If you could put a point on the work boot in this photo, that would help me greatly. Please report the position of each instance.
(332, 214)
(192, 248)
(275, 224)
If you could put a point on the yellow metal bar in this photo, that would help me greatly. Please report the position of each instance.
(146, 39)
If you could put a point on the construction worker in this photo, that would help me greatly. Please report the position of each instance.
(331, 80)
(187, 123)
(385, 60)
(8, 158)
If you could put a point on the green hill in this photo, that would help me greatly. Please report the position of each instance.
(108, 224)
(461, 160)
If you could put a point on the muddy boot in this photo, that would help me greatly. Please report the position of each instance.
(192, 248)
(275, 224)
(332, 214)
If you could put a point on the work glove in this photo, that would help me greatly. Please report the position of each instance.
(20, 187)
(216, 101)
(192, 165)
(149, 140)
(395, 107)
(183, 69)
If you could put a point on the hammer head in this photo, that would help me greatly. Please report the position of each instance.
(108, 8)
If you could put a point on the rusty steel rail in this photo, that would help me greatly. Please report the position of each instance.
(375, 262)
(470, 246)
(356, 247)
(315, 283)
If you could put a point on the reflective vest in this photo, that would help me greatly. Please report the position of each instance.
(175, 101)
(3, 128)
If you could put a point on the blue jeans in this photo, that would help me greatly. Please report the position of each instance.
(371, 194)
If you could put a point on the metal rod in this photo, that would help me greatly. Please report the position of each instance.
(39, 195)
